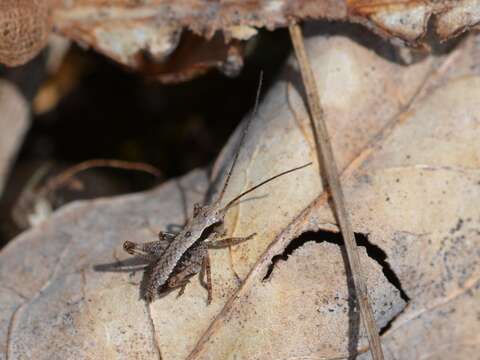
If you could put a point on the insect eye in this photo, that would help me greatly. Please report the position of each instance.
(188, 234)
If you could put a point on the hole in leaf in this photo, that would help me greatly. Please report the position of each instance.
(373, 251)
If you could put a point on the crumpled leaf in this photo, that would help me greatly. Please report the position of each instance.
(405, 139)
(144, 34)
(194, 56)
(124, 30)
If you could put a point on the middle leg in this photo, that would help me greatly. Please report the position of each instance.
(229, 241)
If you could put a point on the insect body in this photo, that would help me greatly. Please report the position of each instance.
(174, 258)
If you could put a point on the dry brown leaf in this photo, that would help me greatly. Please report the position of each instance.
(195, 56)
(145, 33)
(124, 30)
(406, 139)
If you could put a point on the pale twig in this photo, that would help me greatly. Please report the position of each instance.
(326, 158)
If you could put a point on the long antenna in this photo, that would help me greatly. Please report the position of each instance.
(236, 198)
(242, 140)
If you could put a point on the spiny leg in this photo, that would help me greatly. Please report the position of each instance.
(207, 272)
(150, 250)
(182, 289)
(229, 241)
(189, 265)
(232, 266)
(182, 278)
(137, 250)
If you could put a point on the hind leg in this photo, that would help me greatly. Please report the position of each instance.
(206, 272)
(149, 250)
(182, 278)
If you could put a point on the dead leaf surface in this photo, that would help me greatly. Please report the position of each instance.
(144, 34)
(135, 33)
(405, 137)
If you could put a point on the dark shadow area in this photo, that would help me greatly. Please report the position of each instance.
(356, 33)
(129, 265)
(114, 113)
(28, 77)
(383, 47)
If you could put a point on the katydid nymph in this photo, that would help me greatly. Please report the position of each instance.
(174, 258)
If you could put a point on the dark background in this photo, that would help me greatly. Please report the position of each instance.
(112, 112)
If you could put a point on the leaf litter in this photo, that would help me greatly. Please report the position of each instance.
(406, 143)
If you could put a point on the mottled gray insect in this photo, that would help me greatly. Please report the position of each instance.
(174, 258)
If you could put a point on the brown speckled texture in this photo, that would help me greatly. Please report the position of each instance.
(24, 29)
